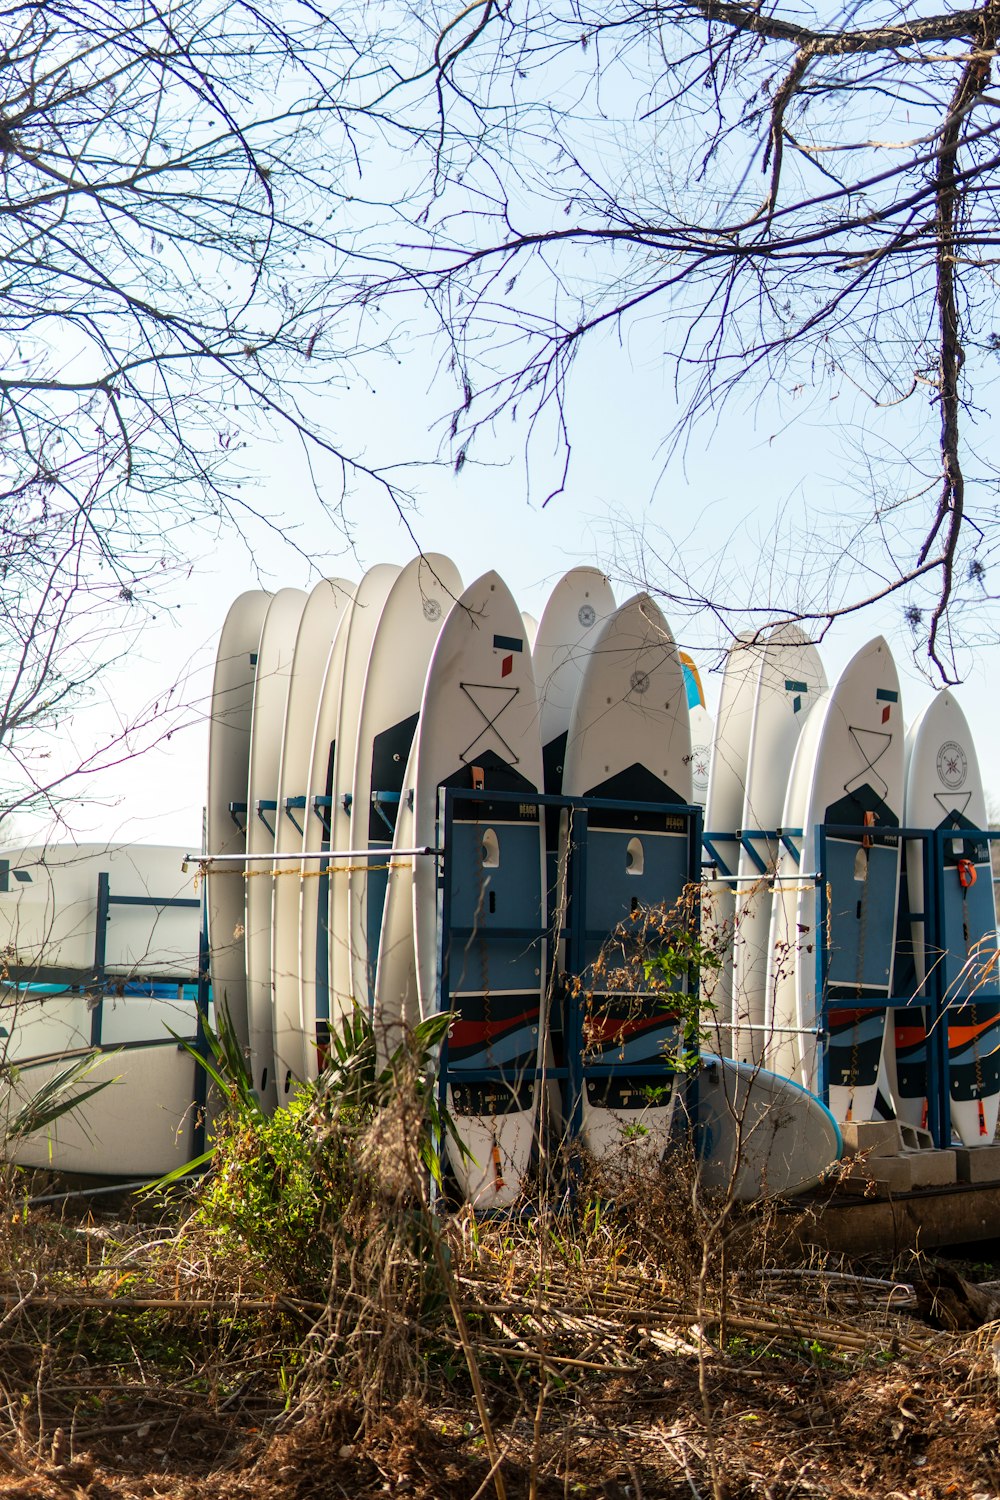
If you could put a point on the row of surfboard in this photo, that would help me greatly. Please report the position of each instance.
(106, 982)
(791, 753)
(337, 718)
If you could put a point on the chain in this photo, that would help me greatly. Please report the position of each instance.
(206, 868)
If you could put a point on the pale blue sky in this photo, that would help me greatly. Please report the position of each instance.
(716, 506)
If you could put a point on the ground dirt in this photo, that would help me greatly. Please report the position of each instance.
(127, 1371)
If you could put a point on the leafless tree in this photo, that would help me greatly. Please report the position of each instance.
(169, 176)
(802, 199)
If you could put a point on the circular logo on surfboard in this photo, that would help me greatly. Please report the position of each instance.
(432, 609)
(640, 682)
(586, 614)
(701, 756)
(952, 765)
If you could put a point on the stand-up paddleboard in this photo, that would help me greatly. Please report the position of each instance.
(479, 729)
(848, 770)
(141, 1125)
(361, 631)
(702, 735)
(228, 769)
(314, 964)
(51, 918)
(317, 628)
(411, 620)
(789, 683)
(270, 694)
(314, 936)
(49, 915)
(573, 618)
(692, 681)
(629, 740)
(944, 789)
(759, 1135)
(702, 731)
(395, 1007)
(45, 1020)
(723, 820)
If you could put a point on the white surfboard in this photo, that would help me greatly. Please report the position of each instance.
(317, 628)
(49, 911)
(362, 628)
(479, 729)
(141, 1125)
(789, 683)
(944, 789)
(42, 1020)
(396, 1007)
(702, 735)
(49, 915)
(702, 730)
(314, 917)
(228, 768)
(848, 770)
(314, 896)
(414, 611)
(274, 667)
(727, 782)
(760, 1136)
(530, 628)
(576, 612)
(629, 740)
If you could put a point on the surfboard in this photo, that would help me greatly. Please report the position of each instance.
(38, 1020)
(318, 625)
(530, 627)
(141, 1125)
(723, 820)
(702, 735)
(314, 896)
(760, 1136)
(396, 1006)
(702, 730)
(414, 611)
(576, 612)
(228, 770)
(848, 770)
(789, 683)
(314, 916)
(629, 740)
(49, 911)
(479, 729)
(274, 667)
(361, 631)
(944, 789)
(692, 681)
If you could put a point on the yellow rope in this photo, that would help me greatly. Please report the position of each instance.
(206, 868)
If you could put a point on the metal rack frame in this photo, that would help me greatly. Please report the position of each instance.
(575, 1071)
(934, 1002)
(97, 977)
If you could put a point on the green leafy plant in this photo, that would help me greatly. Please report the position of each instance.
(57, 1096)
(675, 972)
(280, 1182)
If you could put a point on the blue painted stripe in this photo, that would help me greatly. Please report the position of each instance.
(886, 695)
(691, 687)
(795, 687)
(508, 643)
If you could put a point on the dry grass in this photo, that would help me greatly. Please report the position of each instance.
(574, 1353)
